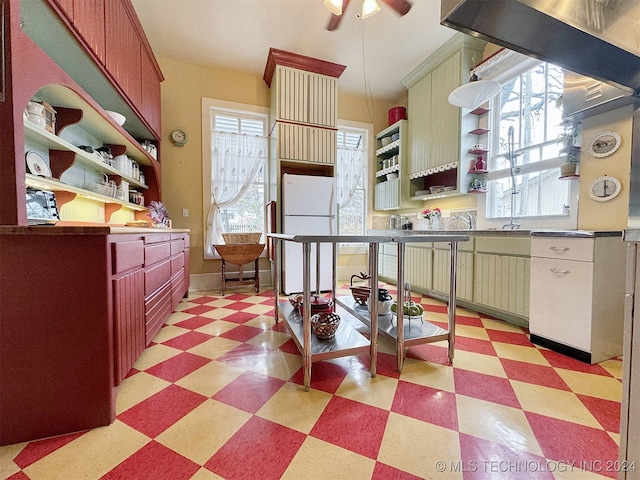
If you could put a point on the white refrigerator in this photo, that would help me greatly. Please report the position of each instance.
(308, 208)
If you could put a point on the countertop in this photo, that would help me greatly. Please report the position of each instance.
(501, 233)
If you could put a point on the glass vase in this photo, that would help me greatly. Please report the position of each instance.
(434, 223)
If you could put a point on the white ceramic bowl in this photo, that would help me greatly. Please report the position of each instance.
(118, 117)
(391, 176)
(385, 141)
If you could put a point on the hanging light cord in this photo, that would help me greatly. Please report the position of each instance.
(367, 85)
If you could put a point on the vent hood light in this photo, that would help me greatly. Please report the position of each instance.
(473, 94)
(334, 6)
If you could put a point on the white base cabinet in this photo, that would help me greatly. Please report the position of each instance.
(577, 295)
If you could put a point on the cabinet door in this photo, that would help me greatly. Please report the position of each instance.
(387, 195)
(128, 322)
(444, 146)
(88, 18)
(419, 121)
(502, 282)
(150, 107)
(293, 94)
(418, 267)
(464, 273)
(323, 145)
(560, 301)
(323, 100)
(123, 50)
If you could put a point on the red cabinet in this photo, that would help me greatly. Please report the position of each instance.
(88, 19)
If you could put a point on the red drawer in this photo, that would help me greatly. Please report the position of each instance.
(177, 246)
(177, 263)
(156, 238)
(157, 309)
(155, 253)
(178, 289)
(127, 255)
(155, 276)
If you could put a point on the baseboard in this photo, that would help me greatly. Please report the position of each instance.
(212, 282)
(561, 348)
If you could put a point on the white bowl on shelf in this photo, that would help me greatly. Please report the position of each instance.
(117, 117)
(385, 141)
(391, 176)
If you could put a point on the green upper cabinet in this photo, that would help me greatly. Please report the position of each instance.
(435, 126)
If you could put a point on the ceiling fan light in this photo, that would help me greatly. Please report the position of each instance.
(369, 7)
(334, 6)
(473, 94)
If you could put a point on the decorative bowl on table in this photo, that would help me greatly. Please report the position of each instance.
(360, 294)
(325, 324)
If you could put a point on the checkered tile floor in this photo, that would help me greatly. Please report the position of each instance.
(218, 394)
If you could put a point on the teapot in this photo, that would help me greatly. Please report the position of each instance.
(35, 114)
(384, 301)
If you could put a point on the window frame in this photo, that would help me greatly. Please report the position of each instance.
(359, 248)
(209, 105)
(513, 66)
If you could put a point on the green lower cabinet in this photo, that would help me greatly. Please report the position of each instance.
(464, 273)
(419, 266)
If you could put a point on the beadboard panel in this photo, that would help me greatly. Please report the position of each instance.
(502, 282)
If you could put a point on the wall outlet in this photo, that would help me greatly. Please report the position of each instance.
(185, 212)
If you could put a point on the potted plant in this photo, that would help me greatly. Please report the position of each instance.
(569, 150)
(571, 160)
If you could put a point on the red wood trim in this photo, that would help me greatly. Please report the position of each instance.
(62, 198)
(109, 209)
(60, 161)
(302, 62)
(66, 116)
(117, 149)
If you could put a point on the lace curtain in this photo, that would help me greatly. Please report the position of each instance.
(235, 161)
(349, 168)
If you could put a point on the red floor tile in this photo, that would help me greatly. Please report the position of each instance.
(238, 305)
(474, 345)
(531, 373)
(512, 338)
(352, 425)
(174, 368)
(485, 387)
(202, 300)
(435, 308)
(385, 472)
(485, 460)
(469, 321)
(325, 376)
(244, 356)
(562, 361)
(194, 322)
(387, 364)
(590, 448)
(426, 404)
(158, 412)
(289, 347)
(34, 451)
(279, 327)
(153, 462)
(259, 450)
(199, 310)
(18, 476)
(249, 391)
(241, 333)
(187, 340)
(240, 317)
(430, 353)
(605, 411)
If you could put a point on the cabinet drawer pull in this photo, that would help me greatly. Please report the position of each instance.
(559, 273)
(559, 250)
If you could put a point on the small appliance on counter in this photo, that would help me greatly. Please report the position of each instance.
(42, 208)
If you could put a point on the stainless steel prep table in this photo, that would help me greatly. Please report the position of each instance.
(348, 340)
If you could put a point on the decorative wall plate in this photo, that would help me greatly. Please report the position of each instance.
(604, 144)
(37, 165)
(604, 188)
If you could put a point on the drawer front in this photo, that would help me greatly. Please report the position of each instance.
(177, 246)
(467, 246)
(156, 238)
(563, 248)
(127, 255)
(155, 276)
(155, 253)
(177, 263)
(504, 245)
(157, 309)
(178, 289)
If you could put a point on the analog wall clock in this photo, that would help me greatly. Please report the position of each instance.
(604, 188)
(604, 144)
(178, 137)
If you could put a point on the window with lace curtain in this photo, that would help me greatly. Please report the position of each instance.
(235, 159)
(351, 178)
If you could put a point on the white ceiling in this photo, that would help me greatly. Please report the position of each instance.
(237, 34)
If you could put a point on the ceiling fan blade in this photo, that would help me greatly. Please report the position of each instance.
(402, 7)
(334, 21)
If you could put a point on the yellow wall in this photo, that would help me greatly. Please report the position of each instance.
(182, 91)
(613, 214)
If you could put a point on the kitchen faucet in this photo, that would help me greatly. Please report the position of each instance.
(514, 169)
(468, 220)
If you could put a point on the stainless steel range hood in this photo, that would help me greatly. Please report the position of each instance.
(596, 38)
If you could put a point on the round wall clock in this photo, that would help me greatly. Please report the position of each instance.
(604, 188)
(179, 137)
(604, 144)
